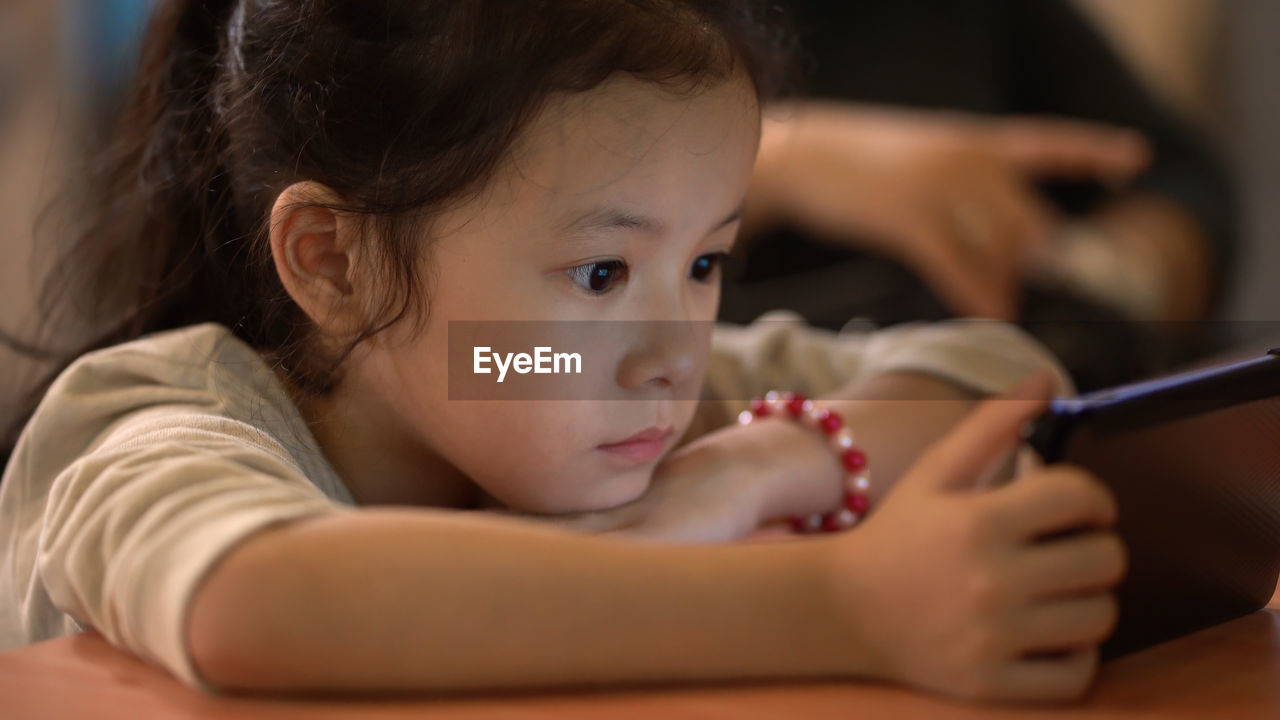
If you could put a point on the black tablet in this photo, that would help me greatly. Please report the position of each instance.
(1194, 462)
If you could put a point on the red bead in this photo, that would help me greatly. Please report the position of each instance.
(853, 459)
(831, 523)
(857, 502)
(797, 523)
(795, 404)
(829, 422)
(759, 408)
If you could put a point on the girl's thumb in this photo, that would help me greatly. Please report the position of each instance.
(965, 454)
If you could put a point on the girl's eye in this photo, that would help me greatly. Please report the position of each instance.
(599, 277)
(705, 266)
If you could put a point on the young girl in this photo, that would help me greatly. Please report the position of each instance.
(257, 477)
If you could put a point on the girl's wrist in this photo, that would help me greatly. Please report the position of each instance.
(842, 606)
(801, 475)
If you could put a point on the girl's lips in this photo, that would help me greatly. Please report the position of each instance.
(644, 446)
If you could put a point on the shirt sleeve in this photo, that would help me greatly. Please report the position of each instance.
(779, 351)
(982, 356)
(133, 527)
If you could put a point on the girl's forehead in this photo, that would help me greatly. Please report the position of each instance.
(626, 130)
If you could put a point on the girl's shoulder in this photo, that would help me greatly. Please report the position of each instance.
(142, 465)
(197, 366)
(179, 356)
(196, 384)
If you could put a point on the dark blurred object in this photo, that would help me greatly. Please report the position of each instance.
(1206, 444)
(991, 57)
(11, 51)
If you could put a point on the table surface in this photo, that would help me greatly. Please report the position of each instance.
(1228, 671)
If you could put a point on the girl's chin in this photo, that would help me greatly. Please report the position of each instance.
(593, 494)
(604, 494)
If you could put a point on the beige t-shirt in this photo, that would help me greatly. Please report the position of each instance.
(147, 461)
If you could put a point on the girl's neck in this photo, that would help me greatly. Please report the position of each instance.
(378, 462)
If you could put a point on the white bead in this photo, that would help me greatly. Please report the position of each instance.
(806, 406)
(846, 518)
(745, 417)
(861, 483)
(843, 438)
(771, 396)
(813, 523)
(813, 414)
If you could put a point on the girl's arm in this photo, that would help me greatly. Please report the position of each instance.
(356, 601)
(708, 612)
(946, 590)
(419, 600)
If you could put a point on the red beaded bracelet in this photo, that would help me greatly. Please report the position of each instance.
(857, 481)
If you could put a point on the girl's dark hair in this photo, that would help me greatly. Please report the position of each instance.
(398, 106)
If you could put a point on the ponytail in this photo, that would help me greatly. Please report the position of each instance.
(158, 212)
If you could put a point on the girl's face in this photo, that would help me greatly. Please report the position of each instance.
(614, 207)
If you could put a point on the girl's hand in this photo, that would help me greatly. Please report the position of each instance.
(725, 484)
(961, 592)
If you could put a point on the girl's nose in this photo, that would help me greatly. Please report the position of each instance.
(664, 354)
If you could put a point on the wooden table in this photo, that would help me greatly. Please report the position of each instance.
(1229, 671)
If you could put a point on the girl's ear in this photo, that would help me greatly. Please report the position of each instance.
(317, 252)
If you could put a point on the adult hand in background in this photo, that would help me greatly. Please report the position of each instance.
(949, 195)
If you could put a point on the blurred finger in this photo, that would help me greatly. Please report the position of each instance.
(1027, 461)
(1069, 148)
(1092, 562)
(1065, 677)
(1073, 624)
(1057, 499)
(1025, 221)
(984, 436)
(954, 269)
(983, 228)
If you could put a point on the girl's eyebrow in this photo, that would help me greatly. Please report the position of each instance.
(610, 219)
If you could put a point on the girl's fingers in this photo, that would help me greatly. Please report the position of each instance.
(1056, 499)
(1071, 624)
(1064, 677)
(1087, 563)
(985, 435)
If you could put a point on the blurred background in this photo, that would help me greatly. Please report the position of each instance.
(64, 64)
